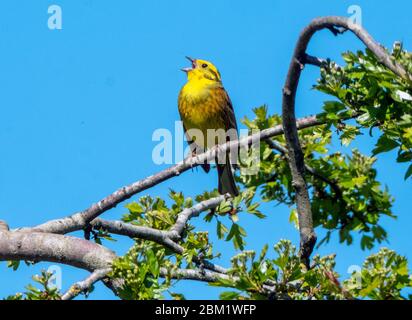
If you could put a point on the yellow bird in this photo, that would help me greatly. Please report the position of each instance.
(208, 117)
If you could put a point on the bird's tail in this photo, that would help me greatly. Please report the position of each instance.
(226, 181)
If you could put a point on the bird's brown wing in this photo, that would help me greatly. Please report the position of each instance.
(228, 113)
(226, 180)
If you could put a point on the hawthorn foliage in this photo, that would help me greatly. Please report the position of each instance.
(350, 201)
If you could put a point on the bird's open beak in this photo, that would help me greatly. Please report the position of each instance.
(193, 61)
(186, 69)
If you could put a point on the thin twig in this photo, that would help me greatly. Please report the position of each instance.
(194, 211)
(86, 284)
(315, 61)
(207, 276)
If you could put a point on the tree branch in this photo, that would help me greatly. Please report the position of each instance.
(315, 61)
(79, 220)
(194, 211)
(86, 284)
(166, 238)
(191, 274)
(337, 25)
(163, 237)
(40, 246)
(130, 230)
(210, 277)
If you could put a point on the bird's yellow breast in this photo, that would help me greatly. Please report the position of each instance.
(200, 108)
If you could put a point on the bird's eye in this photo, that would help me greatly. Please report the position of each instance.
(204, 65)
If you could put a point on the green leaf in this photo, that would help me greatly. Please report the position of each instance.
(229, 295)
(366, 242)
(13, 264)
(404, 157)
(408, 172)
(134, 207)
(236, 234)
(384, 144)
(293, 218)
(349, 133)
(177, 296)
(252, 209)
(333, 106)
(221, 230)
(370, 287)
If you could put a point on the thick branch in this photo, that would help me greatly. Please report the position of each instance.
(337, 25)
(40, 246)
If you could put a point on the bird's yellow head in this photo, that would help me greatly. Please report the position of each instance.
(202, 69)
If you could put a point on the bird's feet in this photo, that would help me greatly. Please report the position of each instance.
(191, 160)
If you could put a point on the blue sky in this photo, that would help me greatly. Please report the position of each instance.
(78, 106)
